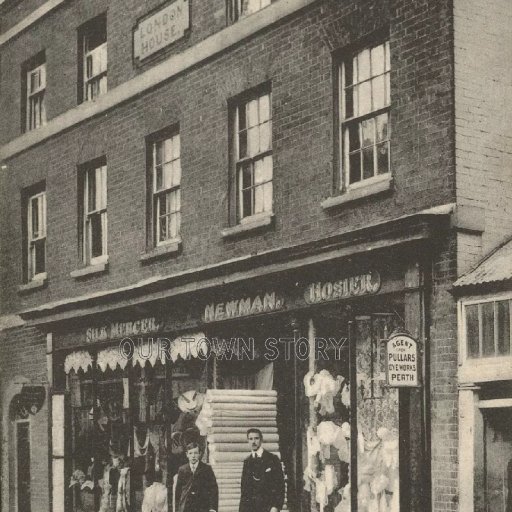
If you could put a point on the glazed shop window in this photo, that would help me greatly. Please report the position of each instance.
(34, 90)
(364, 128)
(372, 419)
(488, 328)
(239, 8)
(252, 132)
(92, 42)
(35, 234)
(166, 188)
(93, 206)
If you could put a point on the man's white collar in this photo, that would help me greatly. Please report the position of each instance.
(258, 452)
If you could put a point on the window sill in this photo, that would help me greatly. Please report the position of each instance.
(248, 224)
(171, 247)
(90, 270)
(35, 284)
(377, 187)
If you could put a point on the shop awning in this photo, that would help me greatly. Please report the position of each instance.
(494, 269)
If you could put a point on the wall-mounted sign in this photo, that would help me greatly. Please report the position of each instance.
(243, 307)
(402, 362)
(117, 330)
(161, 29)
(354, 286)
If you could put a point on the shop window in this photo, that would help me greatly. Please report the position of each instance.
(34, 90)
(23, 495)
(34, 233)
(240, 8)
(364, 114)
(488, 328)
(92, 66)
(164, 158)
(93, 207)
(252, 151)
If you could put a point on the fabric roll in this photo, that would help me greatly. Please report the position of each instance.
(219, 406)
(239, 392)
(234, 429)
(239, 447)
(243, 414)
(238, 438)
(234, 399)
(244, 422)
(233, 456)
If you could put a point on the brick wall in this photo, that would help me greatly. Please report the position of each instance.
(483, 108)
(443, 375)
(295, 55)
(23, 354)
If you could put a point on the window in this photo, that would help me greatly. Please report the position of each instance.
(253, 156)
(239, 8)
(93, 65)
(488, 329)
(94, 227)
(35, 247)
(166, 188)
(365, 130)
(33, 83)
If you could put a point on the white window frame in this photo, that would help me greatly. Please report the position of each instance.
(100, 171)
(488, 368)
(242, 8)
(252, 159)
(15, 434)
(36, 109)
(169, 189)
(94, 83)
(358, 118)
(34, 239)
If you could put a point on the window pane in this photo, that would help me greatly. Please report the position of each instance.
(267, 196)
(163, 228)
(253, 141)
(263, 170)
(388, 57)
(168, 150)
(246, 175)
(379, 92)
(39, 256)
(158, 178)
(472, 334)
(488, 329)
(355, 167)
(265, 132)
(377, 55)
(258, 199)
(382, 127)
(349, 75)
(173, 226)
(246, 202)
(252, 113)
(383, 158)
(168, 171)
(368, 169)
(91, 190)
(365, 103)
(176, 179)
(264, 108)
(96, 235)
(503, 310)
(349, 102)
(368, 132)
(242, 122)
(363, 62)
(35, 217)
(242, 144)
(354, 142)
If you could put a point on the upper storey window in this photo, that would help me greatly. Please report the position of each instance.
(34, 89)
(364, 127)
(92, 70)
(239, 8)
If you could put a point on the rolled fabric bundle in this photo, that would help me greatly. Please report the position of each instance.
(239, 447)
(240, 392)
(242, 414)
(243, 422)
(235, 429)
(238, 439)
(234, 399)
(222, 406)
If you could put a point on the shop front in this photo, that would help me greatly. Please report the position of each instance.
(301, 355)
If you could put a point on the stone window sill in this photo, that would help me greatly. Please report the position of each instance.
(35, 284)
(249, 224)
(379, 186)
(96, 268)
(171, 247)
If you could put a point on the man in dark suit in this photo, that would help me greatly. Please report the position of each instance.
(262, 478)
(196, 487)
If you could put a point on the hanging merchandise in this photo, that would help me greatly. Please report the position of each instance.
(126, 393)
(123, 491)
(140, 449)
(80, 360)
(110, 358)
(345, 395)
(331, 481)
(323, 387)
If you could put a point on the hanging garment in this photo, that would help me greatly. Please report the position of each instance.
(322, 497)
(327, 432)
(155, 498)
(331, 481)
(140, 449)
(123, 491)
(345, 395)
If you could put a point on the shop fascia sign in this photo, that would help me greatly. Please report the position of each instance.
(402, 361)
(116, 330)
(162, 28)
(353, 286)
(246, 306)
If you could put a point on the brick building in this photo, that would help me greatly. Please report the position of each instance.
(255, 170)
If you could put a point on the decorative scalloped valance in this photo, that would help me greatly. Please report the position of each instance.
(79, 360)
(188, 345)
(110, 358)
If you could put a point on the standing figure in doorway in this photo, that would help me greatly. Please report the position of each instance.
(196, 486)
(262, 478)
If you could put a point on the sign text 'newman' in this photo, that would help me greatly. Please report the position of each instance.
(121, 329)
(354, 286)
(161, 29)
(243, 307)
